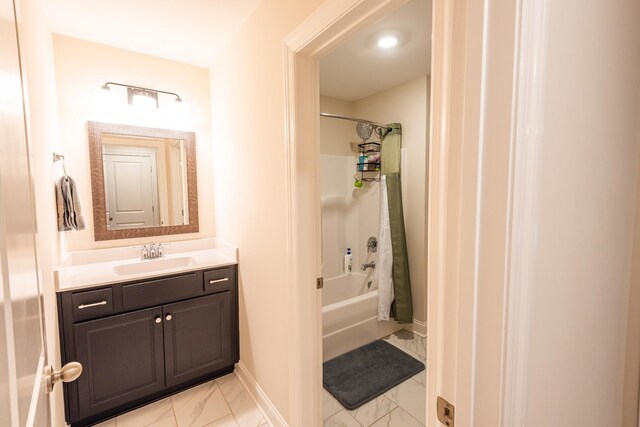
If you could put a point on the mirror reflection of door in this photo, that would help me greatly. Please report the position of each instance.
(145, 181)
(131, 186)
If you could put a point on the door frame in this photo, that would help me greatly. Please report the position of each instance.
(476, 357)
(325, 29)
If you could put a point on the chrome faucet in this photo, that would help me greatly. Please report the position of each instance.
(152, 250)
(371, 264)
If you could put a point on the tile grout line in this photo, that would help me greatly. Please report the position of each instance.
(224, 396)
(411, 416)
(173, 409)
(375, 421)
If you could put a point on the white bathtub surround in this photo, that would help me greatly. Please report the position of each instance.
(223, 402)
(402, 406)
(349, 214)
(349, 314)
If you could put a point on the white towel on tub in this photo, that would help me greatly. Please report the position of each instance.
(384, 267)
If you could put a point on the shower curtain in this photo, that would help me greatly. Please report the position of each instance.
(394, 285)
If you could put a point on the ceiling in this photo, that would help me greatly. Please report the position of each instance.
(359, 68)
(190, 31)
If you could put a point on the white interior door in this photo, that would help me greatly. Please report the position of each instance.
(23, 355)
(131, 189)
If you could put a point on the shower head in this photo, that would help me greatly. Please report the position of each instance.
(364, 130)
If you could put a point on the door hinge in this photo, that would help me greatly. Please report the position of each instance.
(446, 412)
(319, 283)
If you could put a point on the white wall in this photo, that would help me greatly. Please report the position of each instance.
(37, 54)
(250, 170)
(587, 192)
(81, 68)
(408, 104)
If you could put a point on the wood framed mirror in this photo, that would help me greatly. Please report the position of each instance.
(143, 181)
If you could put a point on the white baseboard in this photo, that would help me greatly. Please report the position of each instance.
(269, 411)
(418, 328)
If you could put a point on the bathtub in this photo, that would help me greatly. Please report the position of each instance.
(349, 314)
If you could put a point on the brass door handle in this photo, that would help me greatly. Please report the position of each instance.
(69, 372)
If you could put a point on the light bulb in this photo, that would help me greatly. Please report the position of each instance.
(144, 101)
(387, 42)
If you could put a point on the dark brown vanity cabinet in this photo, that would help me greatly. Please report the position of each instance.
(140, 341)
(197, 334)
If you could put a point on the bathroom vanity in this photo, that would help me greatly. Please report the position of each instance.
(142, 335)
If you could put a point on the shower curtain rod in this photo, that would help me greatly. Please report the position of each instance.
(338, 116)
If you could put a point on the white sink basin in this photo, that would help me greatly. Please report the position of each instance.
(151, 266)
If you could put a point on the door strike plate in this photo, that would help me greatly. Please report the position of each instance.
(446, 412)
(319, 283)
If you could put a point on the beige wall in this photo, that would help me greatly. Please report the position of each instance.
(587, 197)
(249, 163)
(408, 104)
(81, 68)
(336, 134)
(37, 54)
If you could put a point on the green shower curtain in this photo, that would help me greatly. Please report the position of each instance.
(402, 307)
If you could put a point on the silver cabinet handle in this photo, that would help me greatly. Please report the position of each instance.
(211, 282)
(158, 319)
(168, 317)
(95, 304)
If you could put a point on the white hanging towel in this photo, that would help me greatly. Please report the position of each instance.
(384, 267)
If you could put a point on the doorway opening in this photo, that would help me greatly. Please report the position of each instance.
(333, 24)
(378, 76)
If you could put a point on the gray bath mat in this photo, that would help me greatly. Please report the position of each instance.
(363, 374)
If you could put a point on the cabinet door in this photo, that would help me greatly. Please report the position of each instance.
(122, 357)
(198, 337)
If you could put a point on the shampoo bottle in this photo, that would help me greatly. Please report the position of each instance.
(348, 262)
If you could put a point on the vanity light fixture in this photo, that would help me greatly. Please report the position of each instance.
(137, 95)
(387, 42)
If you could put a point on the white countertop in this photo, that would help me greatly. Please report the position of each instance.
(84, 269)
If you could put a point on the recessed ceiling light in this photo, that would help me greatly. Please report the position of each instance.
(387, 42)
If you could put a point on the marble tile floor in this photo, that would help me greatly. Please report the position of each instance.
(402, 406)
(223, 402)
